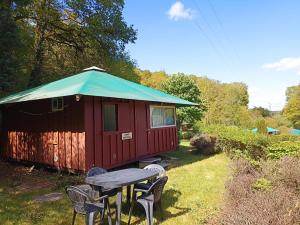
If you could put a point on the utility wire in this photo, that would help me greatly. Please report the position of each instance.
(216, 37)
(213, 9)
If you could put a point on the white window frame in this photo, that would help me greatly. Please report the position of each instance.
(162, 106)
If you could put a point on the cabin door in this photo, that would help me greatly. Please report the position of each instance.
(141, 128)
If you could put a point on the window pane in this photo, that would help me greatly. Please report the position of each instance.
(110, 117)
(169, 116)
(162, 116)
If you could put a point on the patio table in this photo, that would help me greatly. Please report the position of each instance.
(118, 179)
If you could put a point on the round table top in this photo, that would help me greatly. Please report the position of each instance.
(120, 178)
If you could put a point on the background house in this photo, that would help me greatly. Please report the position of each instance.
(89, 119)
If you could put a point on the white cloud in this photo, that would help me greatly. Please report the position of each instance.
(289, 63)
(178, 11)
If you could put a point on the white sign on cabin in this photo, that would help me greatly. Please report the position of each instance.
(127, 136)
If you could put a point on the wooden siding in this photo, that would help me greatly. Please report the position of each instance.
(107, 149)
(74, 138)
(32, 132)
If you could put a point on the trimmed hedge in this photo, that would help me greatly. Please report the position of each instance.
(236, 141)
(284, 148)
(232, 139)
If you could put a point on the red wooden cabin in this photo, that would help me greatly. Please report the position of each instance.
(61, 125)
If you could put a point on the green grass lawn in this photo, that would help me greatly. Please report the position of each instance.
(194, 192)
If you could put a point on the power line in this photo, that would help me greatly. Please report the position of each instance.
(215, 34)
(205, 32)
(222, 27)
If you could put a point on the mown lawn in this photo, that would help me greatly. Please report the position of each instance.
(193, 192)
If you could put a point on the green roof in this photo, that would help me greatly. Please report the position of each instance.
(269, 129)
(94, 82)
(295, 132)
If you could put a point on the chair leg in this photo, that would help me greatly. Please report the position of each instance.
(102, 213)
(74, 217)
(130, 210)
(108, 213)
(89, 218)
(128, 196)
(148, 206)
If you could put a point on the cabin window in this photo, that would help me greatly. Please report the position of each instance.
(162, 116)
(57, 104)
(110, 117)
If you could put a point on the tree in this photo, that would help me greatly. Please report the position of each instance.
(261, 126)
(226, 103)
(14, 45)
(292, 108)
(262, 111)
(70, 35)
(185, 87)
(152, 79)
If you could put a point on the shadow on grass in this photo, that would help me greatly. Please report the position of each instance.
(186, 155)
(169, 199)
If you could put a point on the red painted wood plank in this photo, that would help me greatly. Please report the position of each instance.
(98, 138)
(81, 149)
(89, 131)
(68, 149)
(106, 150)
(74, 150)
(113, 148)
(121, 149)
(61, 148)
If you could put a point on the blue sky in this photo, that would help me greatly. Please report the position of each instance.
(256, 42)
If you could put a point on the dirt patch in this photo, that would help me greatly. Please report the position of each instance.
(51, 197)
(34, 185)
(20, 179)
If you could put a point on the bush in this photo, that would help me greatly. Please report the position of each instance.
(187, 134)
(283, 148)
(232, 139)
(268, 194)
(262, 184)
(206, 144)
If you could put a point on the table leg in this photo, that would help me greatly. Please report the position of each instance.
(128, 194)
(118, 207)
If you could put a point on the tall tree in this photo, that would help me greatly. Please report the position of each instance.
(262, 111)
(76, 34)
(152, 79)
(292, 108)
(14, 45)
(185, 87)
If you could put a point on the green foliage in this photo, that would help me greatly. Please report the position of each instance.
(252, 146)
(282, 148)
(45, 40)
(184, 87)
(262, 111)
(14, 46)
(292, 107)
(261, 126)
(262, 184)
(152, 79)
(232, 139)
(187, 134)
(226, 103)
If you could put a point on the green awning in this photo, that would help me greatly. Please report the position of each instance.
(269, 130)
(295, 132)
(94, 82)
